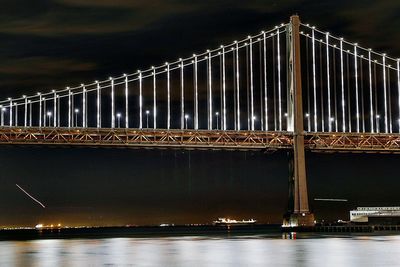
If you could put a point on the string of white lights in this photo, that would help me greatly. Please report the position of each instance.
(328, 84)
(126, 102)
(112, 104)
(384, 94)
(182, 97)
(279, 82)
(356, 85)
(154, 100)
(314, 83)
(398, 91)
(141, 99)
(265, 82)
(223, 90)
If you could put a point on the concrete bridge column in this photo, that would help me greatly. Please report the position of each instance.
(298, 213)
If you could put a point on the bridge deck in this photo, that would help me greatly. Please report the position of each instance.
(201, 139)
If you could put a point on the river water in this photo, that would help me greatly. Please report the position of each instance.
(198, 251)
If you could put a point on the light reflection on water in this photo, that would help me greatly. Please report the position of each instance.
(203, 251)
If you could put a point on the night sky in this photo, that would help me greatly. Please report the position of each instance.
(52, 44)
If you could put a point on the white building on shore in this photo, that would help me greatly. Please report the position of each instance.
(386, 215)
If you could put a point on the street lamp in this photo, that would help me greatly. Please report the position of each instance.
(49, 117)
(147, 118)
(217, 114)
(377, 123)
(76, 116)
(119, 119)
(186, 120)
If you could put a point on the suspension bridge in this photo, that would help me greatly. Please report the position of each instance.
(292, 87)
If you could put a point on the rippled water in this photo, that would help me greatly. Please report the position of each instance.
(204, 251)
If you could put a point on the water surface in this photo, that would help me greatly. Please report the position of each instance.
(193, 251)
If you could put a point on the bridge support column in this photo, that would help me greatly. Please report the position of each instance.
(298, 213)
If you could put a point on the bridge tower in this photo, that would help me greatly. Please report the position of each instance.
(298, 213)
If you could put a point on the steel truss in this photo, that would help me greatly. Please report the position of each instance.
(148, 138)
(353, 142)
(200, 139)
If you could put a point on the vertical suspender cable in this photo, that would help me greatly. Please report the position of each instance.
(154, 99)
(370, 92)
(279, 82)
(251, 84)
(126, 102)
(182, 97)
(342, 86)
(141, 101)
(328, 84)
(237, 87)
(356, 84)
(223, 91)
(112, 104)
(265, 83)
(196, 96)
(385, 92)
(314, 82)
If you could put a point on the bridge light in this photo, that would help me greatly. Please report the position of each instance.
(110, 78)
(53, 91)
(24, 96)
(235, 42)
(262, 32)
(378, 116)
(96, 81)
(76, 110)
(313, 27)
(285, 114)
(307, 115)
